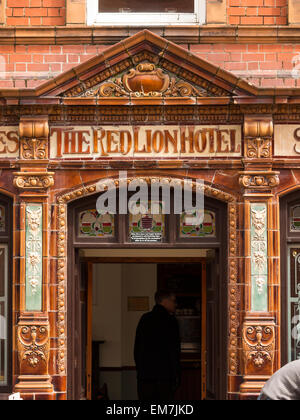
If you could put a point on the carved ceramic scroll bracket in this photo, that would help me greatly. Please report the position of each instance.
(34, 138)
(259, 339)
(258, 133)
(33, 344)
(33, 180)
(259, 180)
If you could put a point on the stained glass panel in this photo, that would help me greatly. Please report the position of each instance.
(146, 227)
(295, 218)
(190, 230)
(3, 315)
(2, 218)
(95, 225)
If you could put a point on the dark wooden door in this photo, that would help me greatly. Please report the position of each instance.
(188, 282)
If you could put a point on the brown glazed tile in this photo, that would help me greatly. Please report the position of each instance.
(59, 383)
(53, 271)
(45, 397)
(234, 383)
(52, 320)
(28, 397)
(61, 397)
(53, 298)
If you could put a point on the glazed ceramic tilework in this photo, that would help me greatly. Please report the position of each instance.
(93, 224)
(295, 218)
(34, 257)
(2, 218)
(206, 229)
(259, 257)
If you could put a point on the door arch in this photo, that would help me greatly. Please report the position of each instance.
(72, 199)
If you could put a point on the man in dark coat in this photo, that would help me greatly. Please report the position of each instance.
(157, 350)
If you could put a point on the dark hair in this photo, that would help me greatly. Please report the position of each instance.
(160, 295)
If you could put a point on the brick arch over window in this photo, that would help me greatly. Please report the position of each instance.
(233, 289)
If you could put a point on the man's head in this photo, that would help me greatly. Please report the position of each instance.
(166, 299)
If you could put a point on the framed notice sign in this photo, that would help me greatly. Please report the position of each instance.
(138, 304)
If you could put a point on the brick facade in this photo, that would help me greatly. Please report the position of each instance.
(35, 12)
(256, 42)
(257, 12)
(264, 65)
(62, 12)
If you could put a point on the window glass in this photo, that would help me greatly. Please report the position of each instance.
(153, 6)
(2, 218)
(92, 224)
(295, 219)
(188, 229)
(3, 315)
(146, 227)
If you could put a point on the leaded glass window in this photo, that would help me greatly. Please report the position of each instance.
(188, 229)
(147, 227)
(3, 315)
(95, 225)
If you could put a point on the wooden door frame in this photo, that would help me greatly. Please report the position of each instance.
(90, 261)
(219, 244)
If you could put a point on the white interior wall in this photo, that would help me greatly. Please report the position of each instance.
(112, 322)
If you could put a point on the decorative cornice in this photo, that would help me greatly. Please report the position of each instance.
(259, 179)
(258, 133)
(33, 180)
(193, 34)
(34, 133)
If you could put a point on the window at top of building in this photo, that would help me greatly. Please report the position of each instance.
(153, 6)
(137, 12)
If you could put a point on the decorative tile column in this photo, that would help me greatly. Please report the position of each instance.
(261, 257)
(33, 329)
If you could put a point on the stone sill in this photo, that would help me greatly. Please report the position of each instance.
(62, 35)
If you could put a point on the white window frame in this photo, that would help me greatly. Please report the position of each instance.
(4, 357)
(145, 19)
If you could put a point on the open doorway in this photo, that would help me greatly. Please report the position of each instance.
(115, 296)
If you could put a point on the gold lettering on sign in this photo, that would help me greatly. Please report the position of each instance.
(9, 142)
(145, 141)
(297, 138)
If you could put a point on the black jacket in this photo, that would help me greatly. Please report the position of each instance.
(157, 346)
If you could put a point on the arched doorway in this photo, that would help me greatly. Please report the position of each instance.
(111, 245)
(290, 276)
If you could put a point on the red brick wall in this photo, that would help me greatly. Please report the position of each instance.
(53, 12)
(257, 12)
(265, 65)
(35, 12)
